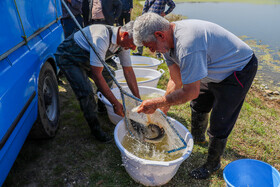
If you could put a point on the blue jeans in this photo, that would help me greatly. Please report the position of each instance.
(74, 62)
(124, 18)
(69, 26)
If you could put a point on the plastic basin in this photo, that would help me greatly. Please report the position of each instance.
(141, 62)
(143, 90)
(147, 172)
(152, 75)
(251, 173)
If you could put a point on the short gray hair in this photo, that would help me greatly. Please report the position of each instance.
(145, 27)
(128, 28)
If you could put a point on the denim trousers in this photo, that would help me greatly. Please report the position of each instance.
(74, 62)
(69, 26)
(124, 18)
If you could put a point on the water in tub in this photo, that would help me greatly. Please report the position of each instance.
(138, 79)
(147, 150)
(137, 64)
(143, 96)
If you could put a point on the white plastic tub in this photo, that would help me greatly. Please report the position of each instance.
(147, 172)
(143, 90)
(141, 62)
(152, 75)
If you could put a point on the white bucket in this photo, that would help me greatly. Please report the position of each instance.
(147, 172)
(152, 75)
(141, 62)
(143, 90)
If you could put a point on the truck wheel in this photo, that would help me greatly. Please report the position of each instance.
(48, 105)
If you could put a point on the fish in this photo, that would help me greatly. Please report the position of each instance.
(154, 133)
(151, 133)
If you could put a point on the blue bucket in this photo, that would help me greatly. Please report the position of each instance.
(251, 173)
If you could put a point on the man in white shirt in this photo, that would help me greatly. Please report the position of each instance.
(102, 12)
(78, 62)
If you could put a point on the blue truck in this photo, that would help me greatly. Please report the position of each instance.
(29, 104)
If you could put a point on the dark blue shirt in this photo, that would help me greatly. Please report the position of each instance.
(127, 5)
(75, 6)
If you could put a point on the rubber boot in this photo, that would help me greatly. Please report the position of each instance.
(101, 108)
(88, 106)
(215, 151)
(98, 133)
(199, 124)
(139, 51)
(158, 55)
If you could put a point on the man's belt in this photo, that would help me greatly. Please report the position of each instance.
(68, 17)
(103, 19)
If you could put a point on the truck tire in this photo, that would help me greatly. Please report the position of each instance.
(47, 122)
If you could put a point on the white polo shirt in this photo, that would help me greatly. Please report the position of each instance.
(99, 36)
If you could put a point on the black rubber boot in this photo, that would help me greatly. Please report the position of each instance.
(101, 108)
(139, 51)
(98, 133)
(215, 151)
(89, 107)
(198, 126)
(158, 55)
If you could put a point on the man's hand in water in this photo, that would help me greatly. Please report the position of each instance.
(149, 106)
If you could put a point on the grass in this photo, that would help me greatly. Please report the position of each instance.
(75, 158)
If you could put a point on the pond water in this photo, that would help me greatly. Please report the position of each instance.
(257, 24)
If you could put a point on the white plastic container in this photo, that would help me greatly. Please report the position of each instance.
(143, 90)
(141, 62)
(152, 75)
(147, 172)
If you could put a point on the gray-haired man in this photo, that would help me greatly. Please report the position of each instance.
(208, 66)
(78, 62)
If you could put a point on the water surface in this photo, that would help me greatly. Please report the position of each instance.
(257, 24)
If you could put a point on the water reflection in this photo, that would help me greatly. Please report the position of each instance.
(257, 24)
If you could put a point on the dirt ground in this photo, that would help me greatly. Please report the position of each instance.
(269, 98)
